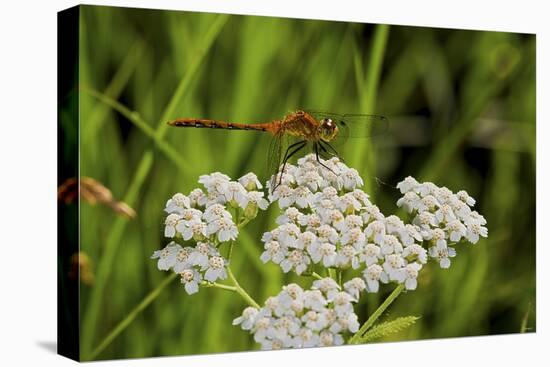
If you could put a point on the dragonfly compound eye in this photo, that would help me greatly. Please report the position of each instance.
(328, 129)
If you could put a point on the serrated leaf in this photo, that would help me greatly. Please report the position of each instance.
(387, 328)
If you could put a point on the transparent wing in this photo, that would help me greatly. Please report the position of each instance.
(274, 156)
(281, 145)
(355, 125)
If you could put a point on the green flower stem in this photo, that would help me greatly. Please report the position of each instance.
(356, 338)
(332, 274)
(218, 285)
(241, 291)
(131, 316)
(317, 276)
(230, 250)
(312, 274)
(244, 222)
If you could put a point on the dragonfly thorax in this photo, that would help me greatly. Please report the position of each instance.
(327, 129)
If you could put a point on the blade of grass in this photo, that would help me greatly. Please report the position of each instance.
(326, 94)
(132, 315)
(115, 235)
(358, 69)
(136, 119)
(525, 319)
(447, 148)
(362, 155)
(370, 91)
(113, 90)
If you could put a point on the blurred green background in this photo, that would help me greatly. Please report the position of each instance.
(462, 111)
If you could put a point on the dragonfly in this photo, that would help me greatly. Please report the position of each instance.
(321, 131)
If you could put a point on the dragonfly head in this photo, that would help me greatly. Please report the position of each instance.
(327, 129)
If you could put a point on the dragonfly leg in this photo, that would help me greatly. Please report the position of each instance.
(286, 155)
(274, 183)
(324, 153)
(296, 147)
(316, 148)
(333, 152)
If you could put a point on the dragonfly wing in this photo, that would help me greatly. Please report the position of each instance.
(282, 146)
(275, 157)
(356, 125)
(364, 126)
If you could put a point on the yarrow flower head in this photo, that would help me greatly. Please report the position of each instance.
(203, 221)
(298, 318)
(328, 221)
(442, 217)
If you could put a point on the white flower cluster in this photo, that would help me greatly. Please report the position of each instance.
(193, 264)
(327, 221)
(442, 217)
(298, 318)
(203, 218)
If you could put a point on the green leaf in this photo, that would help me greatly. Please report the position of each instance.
(387, 328)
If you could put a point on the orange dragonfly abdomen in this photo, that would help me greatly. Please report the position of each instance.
(270, 127)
